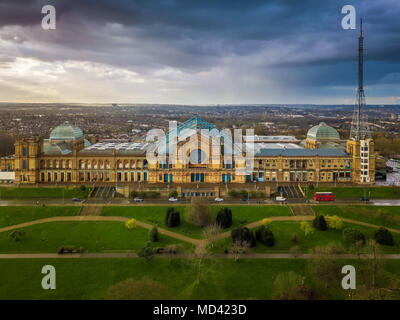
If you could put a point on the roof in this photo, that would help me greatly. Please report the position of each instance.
(323, 132)
(125, 148)
(274, 139)
(66, 132)
(301, 152)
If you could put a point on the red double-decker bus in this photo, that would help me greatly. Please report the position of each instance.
(324, 196)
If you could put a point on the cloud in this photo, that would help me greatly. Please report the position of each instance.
(201, 51)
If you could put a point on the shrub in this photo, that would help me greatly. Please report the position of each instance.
(265, 236)
(146, 252)
(142, 194)
(353, 236)
(295, 239)
(154, 194)
(319, 223)
(173, 194)
(130, 224)
(266, 222)
(16, 235)
(224, 218)
(334, 222)
(83, 188)
(172, 218)
(306, 228)
(153, 234)
(243, 236)
(233, 194)
(383, 236)
(134, 194)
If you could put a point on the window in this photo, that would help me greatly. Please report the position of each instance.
(24, 164)
(25, 151)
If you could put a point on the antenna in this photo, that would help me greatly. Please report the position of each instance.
(359, 126)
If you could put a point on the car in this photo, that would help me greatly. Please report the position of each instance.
(280, 199)
(244, 199)
(137, 199)
(172, 199)
(76, 200)
(364, 199)
(218, 199)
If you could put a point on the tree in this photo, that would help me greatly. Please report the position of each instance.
(153, 234)
(383, 236)
(16, 235)
(353, 236)
(334, 222)
(322, 265)
(265, 236)
(239, 248)
(243, 236)
(143, 289)
(319, 223)
(146, 252)
(211, 233)
(173, 194)
(290, 286)
(172, 218)
(130, 224)
(306, 228)
(224, 218)
(200, 213)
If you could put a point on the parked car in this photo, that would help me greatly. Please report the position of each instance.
(218, 199)
(244, 199)
(364, 199)
(137, 199)
(76, 200)
(280, 199)
(172, 199)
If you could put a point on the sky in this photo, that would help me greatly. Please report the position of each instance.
(197, 52)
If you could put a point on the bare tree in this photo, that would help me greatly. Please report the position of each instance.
(200, 213)
(211, 233)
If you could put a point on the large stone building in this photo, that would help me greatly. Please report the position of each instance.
(197, 159)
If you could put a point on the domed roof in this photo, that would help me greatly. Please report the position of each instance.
(323, 132)
(66, 132)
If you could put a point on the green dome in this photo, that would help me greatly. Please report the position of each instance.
(66, 132)
(323, 132)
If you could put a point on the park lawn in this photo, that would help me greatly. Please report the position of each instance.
(388, 216)
(43, 193)
(91, 278)
(223, 279)
(13, 215)
(285, 230)
(92, 236)
(243, 214)
(354, 193)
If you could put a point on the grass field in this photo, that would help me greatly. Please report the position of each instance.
(354, 193)
(388, 216)
(222, 279)
(16, 215)
(284, 231)
(42, 193)
(92, 236)
(155, 214)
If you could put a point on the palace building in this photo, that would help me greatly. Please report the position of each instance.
(67, 157)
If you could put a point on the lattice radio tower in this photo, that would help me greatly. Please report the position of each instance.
(359, 125)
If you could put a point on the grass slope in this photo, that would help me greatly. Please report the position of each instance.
(92, 236)
(19, 214)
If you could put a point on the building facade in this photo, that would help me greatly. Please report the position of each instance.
(68, 158)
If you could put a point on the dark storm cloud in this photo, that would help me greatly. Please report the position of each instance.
(298, 42)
